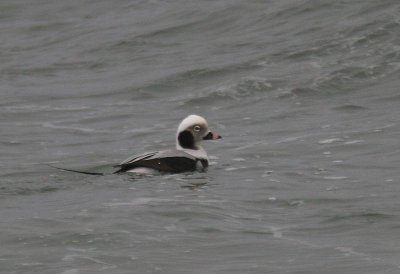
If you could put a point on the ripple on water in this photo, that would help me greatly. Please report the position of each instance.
(358, 218)
(330, 141)
(350, 108)
(335, 177)
(246, 87)
(160, 201)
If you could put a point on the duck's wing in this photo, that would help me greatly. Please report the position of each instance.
(137, 158)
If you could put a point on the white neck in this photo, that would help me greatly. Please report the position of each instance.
(198, 153)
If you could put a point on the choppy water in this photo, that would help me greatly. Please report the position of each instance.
(305, 93)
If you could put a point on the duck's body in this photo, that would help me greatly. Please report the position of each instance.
(187, 156)
(171, 161)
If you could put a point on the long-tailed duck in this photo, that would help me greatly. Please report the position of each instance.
(187, 156)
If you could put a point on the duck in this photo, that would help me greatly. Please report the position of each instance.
(187, 156)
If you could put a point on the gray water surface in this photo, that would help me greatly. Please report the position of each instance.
(305, 94)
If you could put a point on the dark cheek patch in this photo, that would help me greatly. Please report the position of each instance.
(186, 139)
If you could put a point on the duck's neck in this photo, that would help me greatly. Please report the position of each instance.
(199, 153)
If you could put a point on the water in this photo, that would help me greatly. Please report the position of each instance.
(305, 94)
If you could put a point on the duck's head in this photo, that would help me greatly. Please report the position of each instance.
(191, 131)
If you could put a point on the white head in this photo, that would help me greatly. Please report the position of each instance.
(191, 131)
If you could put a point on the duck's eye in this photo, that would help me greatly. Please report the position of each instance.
(197, 128)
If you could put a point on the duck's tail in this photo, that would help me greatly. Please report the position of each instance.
(76, 171)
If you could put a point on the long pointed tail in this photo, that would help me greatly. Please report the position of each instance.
(76, 171)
